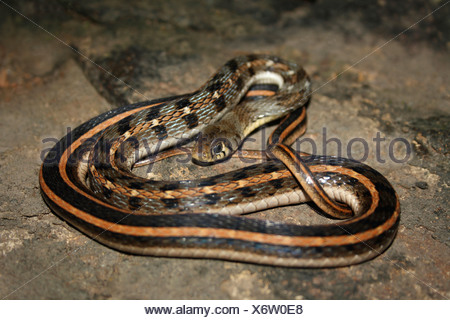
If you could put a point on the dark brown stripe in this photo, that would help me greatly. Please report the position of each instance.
(134, 203)
(161, 132)
(191, 120)
(213, 87)
(153, 112)
(182, 103)
(220, 103)
(124, 125)
(232, 65)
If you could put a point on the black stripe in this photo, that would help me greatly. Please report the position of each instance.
(264, 86)
(240, 175)
(170, 186)
(139, 185)
(293, 116)
(207, 182)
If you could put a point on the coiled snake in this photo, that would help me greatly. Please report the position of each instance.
(86, 178)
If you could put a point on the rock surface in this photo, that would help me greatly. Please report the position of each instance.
(69, 61)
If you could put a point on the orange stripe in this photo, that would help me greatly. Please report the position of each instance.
(266, 93)
(291, 127)
(222, 233)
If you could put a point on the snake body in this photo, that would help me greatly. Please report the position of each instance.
(86, 178)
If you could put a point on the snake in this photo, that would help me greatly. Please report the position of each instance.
(87, 180)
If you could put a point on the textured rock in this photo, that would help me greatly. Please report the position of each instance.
(366, 87)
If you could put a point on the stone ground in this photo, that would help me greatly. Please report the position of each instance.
(395, 89)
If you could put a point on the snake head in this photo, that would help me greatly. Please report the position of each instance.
(214, 145)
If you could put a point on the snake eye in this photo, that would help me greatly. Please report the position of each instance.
(220, 149)
(217, 149)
